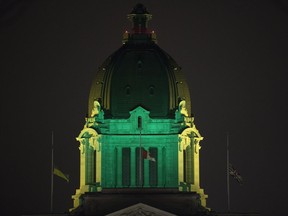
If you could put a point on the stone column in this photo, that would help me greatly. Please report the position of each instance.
(196, 149)
(189, 164)
(89, 154)
(98, 163)
(180, 163)
(82, 164)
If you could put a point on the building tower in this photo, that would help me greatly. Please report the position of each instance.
(140, 137)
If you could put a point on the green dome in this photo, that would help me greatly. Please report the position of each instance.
(139, 73)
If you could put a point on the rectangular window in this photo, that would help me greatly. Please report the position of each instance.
(153, 172)
(90, 165)
(126, 174)
(139, 167)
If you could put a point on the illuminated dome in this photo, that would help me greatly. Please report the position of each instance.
(139, 73)
(139, 137)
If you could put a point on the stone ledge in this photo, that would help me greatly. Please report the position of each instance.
(107, 203)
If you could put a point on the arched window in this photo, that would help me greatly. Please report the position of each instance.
(139, 64)
(151, 90)
(127, 90)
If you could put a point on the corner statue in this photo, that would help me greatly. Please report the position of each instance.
(182, 108)
(139, 143)
(96, 108)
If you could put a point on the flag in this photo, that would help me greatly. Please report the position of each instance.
(233, 172)
(146, 155)
(59, 173)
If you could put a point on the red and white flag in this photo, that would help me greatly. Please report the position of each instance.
(146, 155)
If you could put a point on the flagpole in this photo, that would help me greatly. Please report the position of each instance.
(140, 150)
(227, 171)
(140, 168)
(52, 168)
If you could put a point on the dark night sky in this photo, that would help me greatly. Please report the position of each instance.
(234, 55)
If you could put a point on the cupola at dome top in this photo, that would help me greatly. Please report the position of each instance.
(140, 32)
(140, 17)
